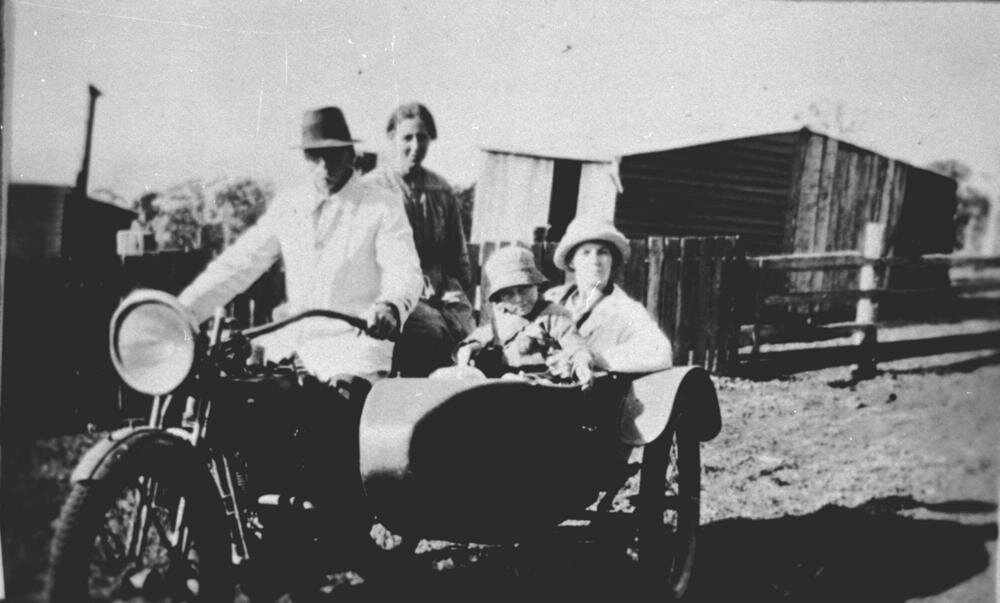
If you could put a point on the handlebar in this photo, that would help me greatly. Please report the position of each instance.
(352, 320)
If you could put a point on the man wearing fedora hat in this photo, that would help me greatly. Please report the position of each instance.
(346, 246)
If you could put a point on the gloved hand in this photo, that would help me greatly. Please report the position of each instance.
(532, 339)
(578, 364)
(583, 363)
(463, 355)
(383, 320)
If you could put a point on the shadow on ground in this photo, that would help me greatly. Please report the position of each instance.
(962, 366)
(867, 553)
(877, 551)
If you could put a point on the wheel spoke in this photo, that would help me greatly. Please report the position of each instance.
(138, 550)
(110, 549)
(147, 530)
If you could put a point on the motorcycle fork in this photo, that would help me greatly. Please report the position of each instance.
(138, 528)
(196, 419)
(149, 492)
(223, 474)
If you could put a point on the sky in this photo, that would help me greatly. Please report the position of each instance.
(208, 89)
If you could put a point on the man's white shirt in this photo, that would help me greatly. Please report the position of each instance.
(341, 252)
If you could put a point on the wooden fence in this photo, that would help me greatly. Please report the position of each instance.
(708, 297)
(688, 283)
(706, 294)
(712, 300)
(779, 313)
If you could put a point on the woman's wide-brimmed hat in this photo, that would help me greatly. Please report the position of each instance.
(511, 267)
(324, 128)
(589, 228)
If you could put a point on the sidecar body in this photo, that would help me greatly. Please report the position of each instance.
(494, 460)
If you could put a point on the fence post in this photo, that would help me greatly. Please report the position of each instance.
(654, 273)
(756, 280)
(729, 276)
(866, 337)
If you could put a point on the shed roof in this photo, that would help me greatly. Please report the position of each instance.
(607, 150)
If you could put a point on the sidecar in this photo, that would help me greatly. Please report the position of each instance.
(499, 461)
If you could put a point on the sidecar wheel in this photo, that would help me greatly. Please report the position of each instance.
(117, 538)
(669, 511)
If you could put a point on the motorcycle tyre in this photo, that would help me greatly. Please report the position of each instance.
(82, 517)
(667, 549)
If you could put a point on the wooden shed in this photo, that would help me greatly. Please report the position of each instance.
(781, 192)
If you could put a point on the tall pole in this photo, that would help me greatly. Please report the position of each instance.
(84, 175)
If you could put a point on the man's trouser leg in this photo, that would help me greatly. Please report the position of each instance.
(334, 414)
(425, 343)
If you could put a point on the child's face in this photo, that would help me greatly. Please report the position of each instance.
(517, 300)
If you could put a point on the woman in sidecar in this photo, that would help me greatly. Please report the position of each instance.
(504, 461)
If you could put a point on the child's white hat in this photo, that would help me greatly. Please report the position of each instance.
(510, 267)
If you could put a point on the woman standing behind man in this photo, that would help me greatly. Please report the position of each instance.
(444, 315)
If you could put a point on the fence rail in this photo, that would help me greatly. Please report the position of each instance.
(785, 316)
(855, 259)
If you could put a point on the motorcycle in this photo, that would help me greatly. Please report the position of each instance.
(217, 488)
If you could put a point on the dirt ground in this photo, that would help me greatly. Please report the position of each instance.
(818, 488)
(881, 490)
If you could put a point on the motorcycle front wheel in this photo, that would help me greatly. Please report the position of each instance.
(147, 531)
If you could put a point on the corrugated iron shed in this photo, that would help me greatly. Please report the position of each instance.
(48, 221)
(795, 190)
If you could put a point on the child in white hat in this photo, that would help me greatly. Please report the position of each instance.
(525, 328)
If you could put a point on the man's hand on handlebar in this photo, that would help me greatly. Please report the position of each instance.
(383, 320)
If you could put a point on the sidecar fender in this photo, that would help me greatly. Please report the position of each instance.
(656, 399)
(134, 442)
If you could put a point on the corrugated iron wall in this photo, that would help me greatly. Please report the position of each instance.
(35, 220)
(735, 187)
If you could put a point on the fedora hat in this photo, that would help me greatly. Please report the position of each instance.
(510, 267)
(324, 127)
(589, 228)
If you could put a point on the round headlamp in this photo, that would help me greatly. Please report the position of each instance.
(152, 342)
